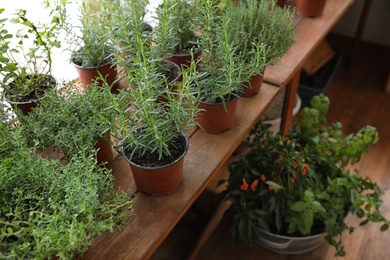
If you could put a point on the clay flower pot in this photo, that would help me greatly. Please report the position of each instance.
(183, 60)
(105, 151)
(87, 75)
(214, 118)
(253, 86)
(310, 8)
(281, 3)
(162, 180)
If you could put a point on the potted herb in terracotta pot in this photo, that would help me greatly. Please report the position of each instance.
(222, 71)
(51, 210)
(180, 15)
(92, 53)
(154, 115)
(26, 66)
(73, 122)
(264, 33)
(290, 193)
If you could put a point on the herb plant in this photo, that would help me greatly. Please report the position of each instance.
(263, 32)
(221, 65)
(49, 209)
(71, 121)
(302, 184)
(25, 56)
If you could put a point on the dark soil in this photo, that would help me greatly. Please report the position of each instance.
(176, 149)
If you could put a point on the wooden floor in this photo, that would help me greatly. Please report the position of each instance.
(357, 98)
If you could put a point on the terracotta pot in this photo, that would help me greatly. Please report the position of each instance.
(105, 151)
(213, 118)
(88, 75)
(253, 86)
(27, 106)
(281, 3)
(162, 180)
(310, 8)
(183, 60)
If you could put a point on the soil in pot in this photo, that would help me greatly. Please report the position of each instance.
(159, 177)
(26, 99)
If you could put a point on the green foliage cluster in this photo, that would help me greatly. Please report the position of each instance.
(263, 31)
(71, 121)
(301, 183)
(26, 72)
(48, 208)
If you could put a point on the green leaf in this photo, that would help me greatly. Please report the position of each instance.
(298, 206)
(274, 185)
(384, 227)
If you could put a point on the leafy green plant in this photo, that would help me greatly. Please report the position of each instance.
(26, 56)
(301, 183)
(87, 39)
(71, 121)
(51, 209)
(263, 32)
(221, 64)
(181, 21)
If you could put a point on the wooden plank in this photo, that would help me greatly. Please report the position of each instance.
(309, 32)
(157, 216)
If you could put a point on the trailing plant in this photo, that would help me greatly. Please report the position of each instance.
(302, 183)
(26, 56)
(48, 209)
(71, 121)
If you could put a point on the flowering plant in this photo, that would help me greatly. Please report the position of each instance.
(301, 184)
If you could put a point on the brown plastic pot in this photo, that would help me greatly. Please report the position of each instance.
(214, 118)
(311, 8)
(281, 3)
(88, 75)
(253, 86)
(159, 181)
(183, 60)
(105, 151)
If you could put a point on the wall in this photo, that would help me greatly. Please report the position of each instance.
(377, 28)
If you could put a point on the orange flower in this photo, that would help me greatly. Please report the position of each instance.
(296, 164)
(263, 178)
(305, 166)
(288, 142)
(269, 187)
(254, 184)
(244, 185)
(292, 179)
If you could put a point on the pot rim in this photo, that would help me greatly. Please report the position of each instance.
(294, 238)
(186, 146)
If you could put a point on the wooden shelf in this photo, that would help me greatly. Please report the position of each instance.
(157, 216)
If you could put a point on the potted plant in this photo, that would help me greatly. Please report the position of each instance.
(26, 66)
(302, 185)
(73, 122)
(222, 70)
(51, 210)
(90, 45)
(181, 19)
(154, 114)
(264, 33)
